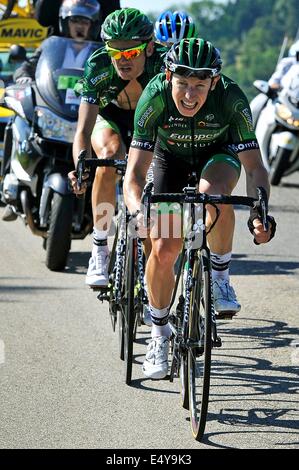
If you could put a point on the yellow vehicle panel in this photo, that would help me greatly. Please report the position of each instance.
(24, 31)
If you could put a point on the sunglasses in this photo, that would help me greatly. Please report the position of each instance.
(126, 53)
(185, 71)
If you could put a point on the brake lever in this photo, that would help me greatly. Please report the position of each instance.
(263, 207)
(81, 168)
(146, 202)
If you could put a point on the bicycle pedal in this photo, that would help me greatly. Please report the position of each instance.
(103, 296)
(217, 343)
(100, 288)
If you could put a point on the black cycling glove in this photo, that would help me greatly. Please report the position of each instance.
(255, 213)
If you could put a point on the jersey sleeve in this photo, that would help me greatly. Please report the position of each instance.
(96, 77)
(241, 132)
(148, 115)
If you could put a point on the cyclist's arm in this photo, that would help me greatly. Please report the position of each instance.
(86, 121)
(256, 173)
(135, 178)
(146, 122)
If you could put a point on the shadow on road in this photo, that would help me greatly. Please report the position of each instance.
(77, 262)
(246, 378)
(239, 375)
(290, 185)
(243, 265)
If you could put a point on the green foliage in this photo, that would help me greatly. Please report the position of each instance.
(249, 34)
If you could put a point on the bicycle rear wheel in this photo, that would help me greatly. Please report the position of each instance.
(120, 319)
(129, 309)
(200, 346)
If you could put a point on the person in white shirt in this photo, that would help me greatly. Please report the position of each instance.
(283, 67)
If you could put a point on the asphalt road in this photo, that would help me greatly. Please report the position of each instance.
(61, 381)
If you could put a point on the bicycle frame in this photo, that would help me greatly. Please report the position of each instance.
(193, 324)
(179, 322)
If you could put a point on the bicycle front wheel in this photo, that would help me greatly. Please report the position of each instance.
(129, 310)
(200, 345)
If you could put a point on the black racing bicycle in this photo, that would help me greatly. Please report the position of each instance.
(193, 323)
(125, 292)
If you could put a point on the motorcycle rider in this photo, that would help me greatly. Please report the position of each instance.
(79, 20)
(47, 12)
(114, 79)
(172, 27)
(275, 82)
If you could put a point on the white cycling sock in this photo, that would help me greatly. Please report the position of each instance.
(100, 238)
(160, 326)
(220, 266)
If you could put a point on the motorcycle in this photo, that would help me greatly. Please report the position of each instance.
(38, 143)
(277, 126)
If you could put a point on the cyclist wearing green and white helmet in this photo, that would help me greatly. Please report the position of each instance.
(191, 119)
(114, 78)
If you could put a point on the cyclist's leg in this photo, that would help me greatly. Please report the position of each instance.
(220, 176)
(108, 141)
(160, 284)
(169, 175)
(166, 244)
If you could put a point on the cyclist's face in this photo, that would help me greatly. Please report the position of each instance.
(190, 94)
(129, 69)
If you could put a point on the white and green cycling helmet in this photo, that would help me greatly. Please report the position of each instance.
(194, 57)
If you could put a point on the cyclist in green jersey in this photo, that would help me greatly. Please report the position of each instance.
(114, 78)
(192, 119)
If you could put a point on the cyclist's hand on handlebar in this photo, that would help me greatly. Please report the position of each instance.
(257, 229)
(139, 223)
(261, 225)
(72, 176)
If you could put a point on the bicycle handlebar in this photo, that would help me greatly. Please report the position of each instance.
(86, 164)
(190, 195)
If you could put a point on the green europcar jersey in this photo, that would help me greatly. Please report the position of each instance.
(224, 121)
(100, 83)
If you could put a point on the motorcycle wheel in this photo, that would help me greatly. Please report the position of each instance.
(59, 234)
(279, 165)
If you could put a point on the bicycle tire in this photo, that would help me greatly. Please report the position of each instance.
(199, 358)
(184, 382)
(112, 304)
(129, 310)
(184, 356)
(120, 319)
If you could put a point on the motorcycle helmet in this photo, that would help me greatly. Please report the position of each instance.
(17, 53)
(172, 27)
(127, 24)
(85, 8)
(294, 49)
(194, 57)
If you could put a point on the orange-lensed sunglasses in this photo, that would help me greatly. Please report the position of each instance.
(126, 53)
